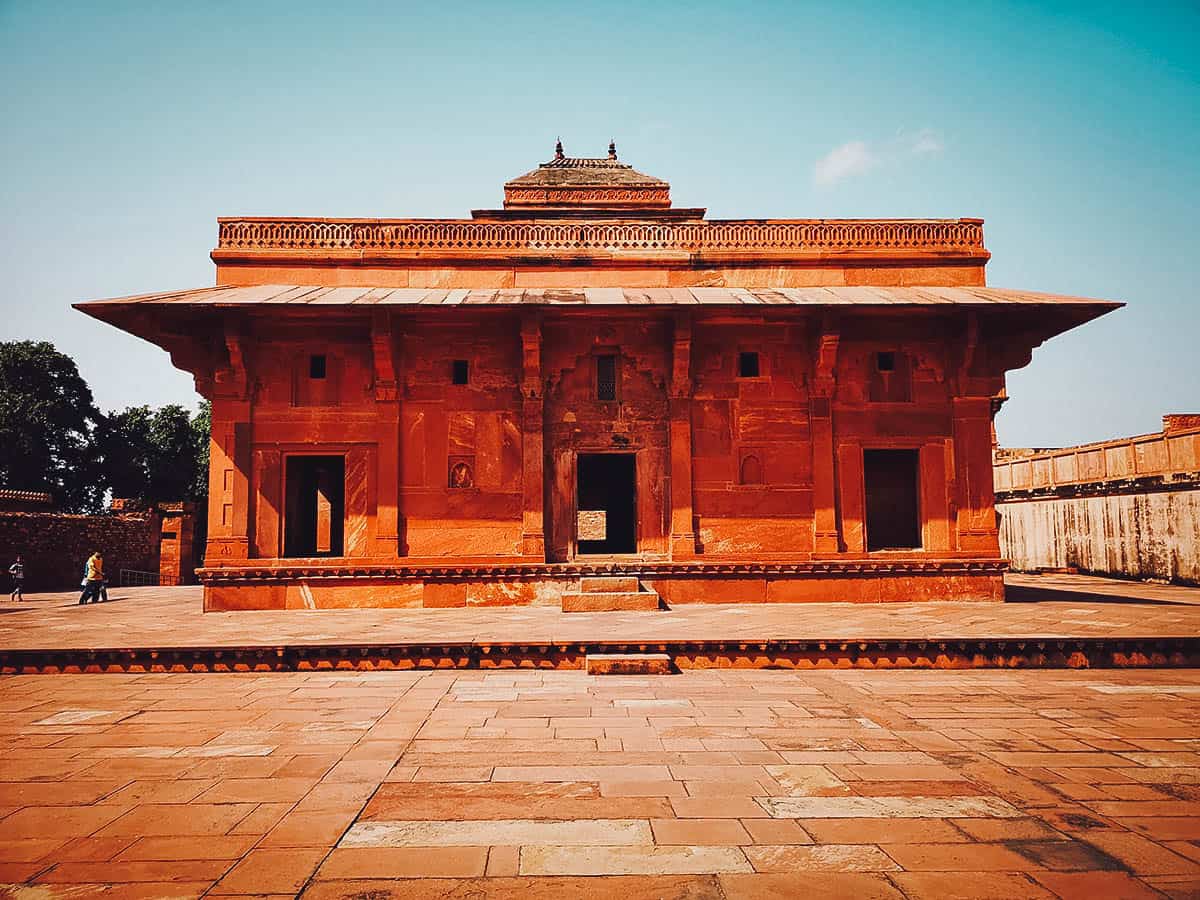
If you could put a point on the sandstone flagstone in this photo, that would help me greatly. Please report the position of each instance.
(824, 857)
(632, 860)
(277, 816)
(520, 832)
(888, 807)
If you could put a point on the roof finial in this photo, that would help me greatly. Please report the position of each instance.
(558, 150)
(612, 149)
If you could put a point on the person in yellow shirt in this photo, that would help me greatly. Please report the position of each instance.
(93, 581)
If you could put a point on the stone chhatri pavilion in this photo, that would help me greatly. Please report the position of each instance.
(590, 382)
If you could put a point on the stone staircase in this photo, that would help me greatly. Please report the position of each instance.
(609, 594)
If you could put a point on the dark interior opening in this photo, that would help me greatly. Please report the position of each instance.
(606, 378)
(315, 510)
(893, 512)
(891, 382)
(748, 365)
(461, 371)
(316, 365)
(608, 482)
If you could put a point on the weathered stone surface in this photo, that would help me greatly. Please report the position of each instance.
(609, 601)
(888, 807)
(1128, 507)
(514, 832)
(651, 860)
(628, 664)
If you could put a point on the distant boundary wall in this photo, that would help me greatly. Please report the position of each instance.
(55, 546)
(1126, 508)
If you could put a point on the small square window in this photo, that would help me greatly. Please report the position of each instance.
(606, 378)
(748, 365)
(885, 362)
(316, 365)
(460, 372)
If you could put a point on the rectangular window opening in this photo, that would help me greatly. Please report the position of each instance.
(460, 372)
(606, 377)
(316, 365)
(748, 365)
(891, 479)
(315, 510)
(885, 362)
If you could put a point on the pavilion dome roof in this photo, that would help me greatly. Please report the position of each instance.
(586, 182)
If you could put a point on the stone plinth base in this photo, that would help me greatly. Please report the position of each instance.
(383, 586)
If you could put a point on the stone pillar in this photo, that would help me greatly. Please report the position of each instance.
(387, 416)
(826, 537)
(935, 517)
(683, 530)
(229, 483)
(324, 513)
(975, 500)
(229, 457)
(176, 535)
(851, 514)
(267, 489)
(533, 488)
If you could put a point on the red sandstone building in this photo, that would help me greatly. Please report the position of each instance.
(591, 382)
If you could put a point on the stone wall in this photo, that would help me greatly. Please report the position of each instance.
(1146, 535)
(55, 546)
(1127, 508)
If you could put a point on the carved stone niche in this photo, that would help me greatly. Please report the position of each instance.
(750, 470)
(461, 473)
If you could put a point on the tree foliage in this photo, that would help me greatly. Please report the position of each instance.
(47, 425)
(155, 455)
(53, 439)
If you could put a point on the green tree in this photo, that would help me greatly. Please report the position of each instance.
(202, 426)
(47, 421)
(154, 455)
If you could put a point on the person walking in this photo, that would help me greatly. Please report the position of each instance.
(93, 579)
(17, 571)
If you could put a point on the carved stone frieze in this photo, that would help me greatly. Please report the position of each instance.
(587, 197)
(693, 237)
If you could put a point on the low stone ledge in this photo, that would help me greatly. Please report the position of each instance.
(864, 653)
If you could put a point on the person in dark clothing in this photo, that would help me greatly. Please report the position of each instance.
(17, 571)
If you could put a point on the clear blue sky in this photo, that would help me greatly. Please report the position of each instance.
(1073, 129)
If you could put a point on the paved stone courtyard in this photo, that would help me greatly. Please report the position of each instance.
(707, 784)
(172, 617)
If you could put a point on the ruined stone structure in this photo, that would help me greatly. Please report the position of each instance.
(1127, 507)
(148, 544)
(591, 382)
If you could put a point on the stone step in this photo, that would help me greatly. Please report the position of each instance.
(628, 664)
(609, 601)
(615, 583)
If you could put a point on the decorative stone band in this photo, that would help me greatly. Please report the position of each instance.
(632, 197)
(7, 494)
(867, 653)
(451, 572)
(951, 236)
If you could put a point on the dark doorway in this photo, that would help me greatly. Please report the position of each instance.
(607, 483)
(893, 514)
(316, 510)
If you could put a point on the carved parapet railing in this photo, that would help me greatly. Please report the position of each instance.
(958, 237)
